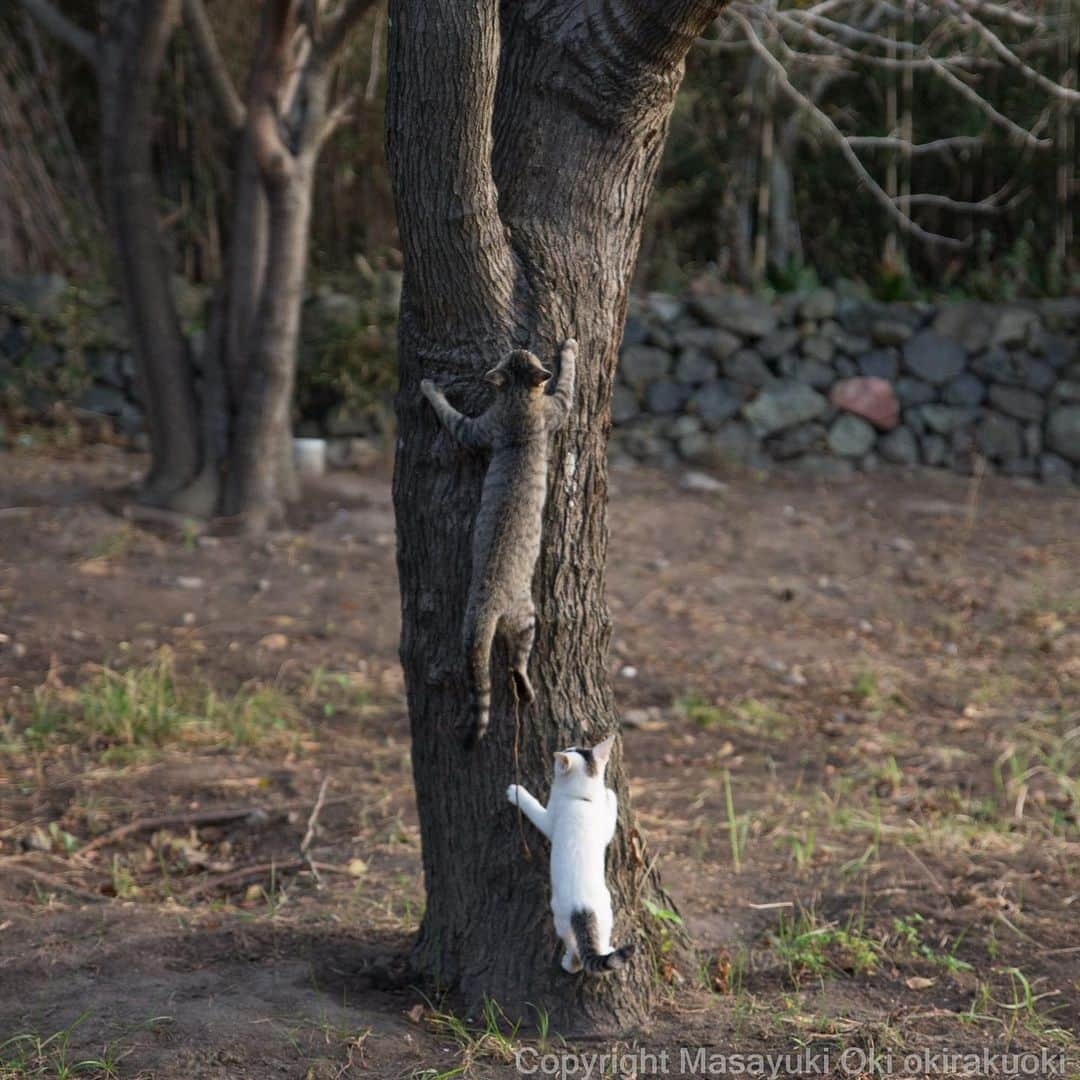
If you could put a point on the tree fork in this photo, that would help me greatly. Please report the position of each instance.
(520, 201)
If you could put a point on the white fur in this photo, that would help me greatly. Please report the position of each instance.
(579, 820)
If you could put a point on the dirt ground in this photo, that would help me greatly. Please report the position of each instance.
(852, 723)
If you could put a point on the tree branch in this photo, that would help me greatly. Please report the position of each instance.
(668, 27)
(934, 146)
(59, 26)
(376, 58)
(336, 29)
(1056, 90)
(836, 136)
(1020, 19)
(439, 147)
(205, 41)
(336, 117)
(271, 69)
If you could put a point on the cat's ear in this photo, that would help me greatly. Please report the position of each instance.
(562, 763)
(497, 377)
(602, 751)
(538, 375)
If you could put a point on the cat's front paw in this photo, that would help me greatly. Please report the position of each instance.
(428, 388)
(512, 794)
(569, 346)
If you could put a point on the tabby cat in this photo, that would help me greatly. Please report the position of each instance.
(506, 536)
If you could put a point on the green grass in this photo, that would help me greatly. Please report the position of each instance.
(908, 932)
(493, 1039)
(811, 948)
(32, 1055)
(877, 699)
(751, 716)
(123, 714)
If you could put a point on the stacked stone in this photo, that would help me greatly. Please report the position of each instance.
(827, 382)
(836, 382)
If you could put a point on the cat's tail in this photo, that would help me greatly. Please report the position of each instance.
(583, 923)
(480, 626)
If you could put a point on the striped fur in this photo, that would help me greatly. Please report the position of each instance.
(583, 924)
(506, 536)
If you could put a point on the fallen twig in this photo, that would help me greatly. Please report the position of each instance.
(256, 814)
(259, 815)
(309, 834)
(236, 877)
(54, 882)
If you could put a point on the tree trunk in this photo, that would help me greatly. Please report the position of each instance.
(259, 478)
(563, 114)
(246, 265)
(132, 52)
(251, 358)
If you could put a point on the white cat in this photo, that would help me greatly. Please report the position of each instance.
(579, 820)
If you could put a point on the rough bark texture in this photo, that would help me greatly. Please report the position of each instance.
(132, 49)
(237, 426)
(287, 120)
(561, 110)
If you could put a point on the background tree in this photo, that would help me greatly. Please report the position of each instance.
(219, 424)
(523, 150)
(952, 121)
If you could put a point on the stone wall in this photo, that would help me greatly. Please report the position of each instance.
(826, 382)
(65, 354)
(832, 383)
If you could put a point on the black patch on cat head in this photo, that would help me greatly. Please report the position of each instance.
(587, 757)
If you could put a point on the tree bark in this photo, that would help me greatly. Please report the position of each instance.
(520, 201)
(132, 50)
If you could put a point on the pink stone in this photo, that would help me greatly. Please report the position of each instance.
(869, 397)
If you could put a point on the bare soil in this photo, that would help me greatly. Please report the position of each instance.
(852, 724)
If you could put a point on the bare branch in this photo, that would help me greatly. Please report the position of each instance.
(936, 66)
(376, 58)
(1019, 133)
(1057, 90)
(1011, 17)
(336, 117)
(336, 29)
(958, 206)
(205, 41)
(917, 59)
(50, 19)
(947, 145)
(271, 69)
(825, 122)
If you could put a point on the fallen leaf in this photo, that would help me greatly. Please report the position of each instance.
(357, 867)
(919, 982)
(416, 1014)
(274, 642)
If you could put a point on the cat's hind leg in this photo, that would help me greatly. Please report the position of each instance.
(571, 961)
(521, 633)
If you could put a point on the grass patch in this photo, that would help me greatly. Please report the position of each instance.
(811, 948)
(909, 935)
(491, 1040)
(751, 716)
(30, 1055)
(123, 714)
(875, 695)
